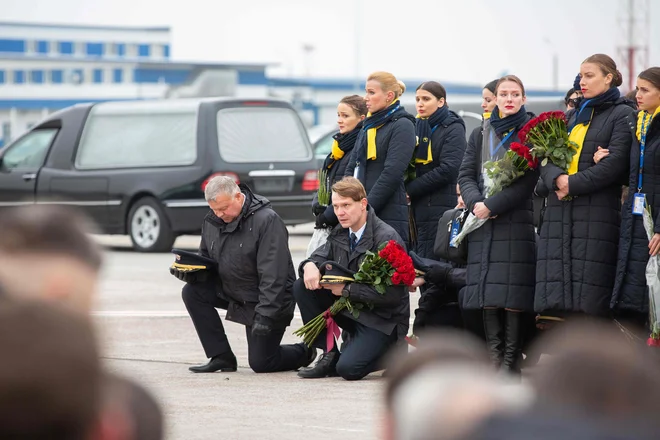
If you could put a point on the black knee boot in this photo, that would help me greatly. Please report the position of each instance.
(513, 339)
(494, 330)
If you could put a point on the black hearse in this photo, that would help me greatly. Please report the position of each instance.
(140, 167)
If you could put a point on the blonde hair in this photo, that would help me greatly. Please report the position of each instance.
(388, 83)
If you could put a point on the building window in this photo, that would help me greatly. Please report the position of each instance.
(37, 76)
(94, 49)
(117, 76)
(57, 76)
(77, 76)
(98, 76)
(65, 47)
(19, 77)
(14, 46)
(2, 76)
(121, 49)
(144, 50)
(43, 47)
(166, 51)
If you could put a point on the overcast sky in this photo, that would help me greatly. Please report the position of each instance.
(468, 40)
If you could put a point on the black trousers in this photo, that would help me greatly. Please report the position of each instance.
(363, 351)
(265, 354)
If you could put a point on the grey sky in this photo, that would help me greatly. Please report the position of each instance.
(467, 40)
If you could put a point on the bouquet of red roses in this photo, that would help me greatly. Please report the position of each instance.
(548, 136)
(498, 174)
(390, 266)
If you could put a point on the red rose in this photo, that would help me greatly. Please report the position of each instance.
(410, 279)
(522, 135)
(396, 278)
(384, 253)
(559, 115)
(544, 117)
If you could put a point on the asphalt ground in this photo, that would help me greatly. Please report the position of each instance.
(146, 334)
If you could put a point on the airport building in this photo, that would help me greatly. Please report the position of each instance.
(46, 67)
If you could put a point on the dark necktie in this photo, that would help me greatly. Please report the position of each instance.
(354, 241)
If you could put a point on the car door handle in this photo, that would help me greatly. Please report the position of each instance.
(29, 176)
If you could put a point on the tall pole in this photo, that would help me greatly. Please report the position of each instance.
(356, 38)
(555, 71)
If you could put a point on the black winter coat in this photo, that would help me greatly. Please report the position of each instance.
(434, 189)
(395, 146)
(391, 310)
(254, 263)
(501, 253)
(579, 239)
(630, 289)
(335, 174)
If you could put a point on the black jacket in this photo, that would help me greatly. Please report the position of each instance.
(391, 310)
(501, 253)
(254, 263)
(630, 290)
(579, 239)
(434, 189)
(335, 174)
(395, 146)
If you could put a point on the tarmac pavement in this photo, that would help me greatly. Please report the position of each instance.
(146, 334)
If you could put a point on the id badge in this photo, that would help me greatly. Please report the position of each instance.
(638, 204)
(455, 230)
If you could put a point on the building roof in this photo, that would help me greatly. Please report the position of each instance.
(85, 27)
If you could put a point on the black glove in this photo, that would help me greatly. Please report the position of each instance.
(438, 275)
(320, 222)
(261, 326)
(318, 209)
(187, 277)
(420, 321)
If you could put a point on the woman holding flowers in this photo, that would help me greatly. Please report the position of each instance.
(441, 144)
(501, 253)
(351, 111)
(630, 299)
(580, 231)
(383, 151)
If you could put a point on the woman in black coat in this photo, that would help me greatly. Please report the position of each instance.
(579, 238)
(501, 253)
(383, 151)
(351, 111)
(630, 299)
(440, 148)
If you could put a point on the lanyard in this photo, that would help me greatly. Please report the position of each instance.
(642, 144)
(492, 152)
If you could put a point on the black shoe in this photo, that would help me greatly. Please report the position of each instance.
(311, 355)
(223, 362)
(494, 330)
(325, 367)
(513, 341)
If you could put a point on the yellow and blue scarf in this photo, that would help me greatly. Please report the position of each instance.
(424, 128)
(342, 144)
(644, 120)
(579, 125)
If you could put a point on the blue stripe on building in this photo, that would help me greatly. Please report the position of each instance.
(53, 104)
(94, 49)
(43, 47)
(252, 77)
(11, 45)
(144, 50)
(37, 76)
(56, 76)
(170, 76)
(65, 47)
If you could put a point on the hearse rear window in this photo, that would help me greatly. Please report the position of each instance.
(130, 137)
(262, 134)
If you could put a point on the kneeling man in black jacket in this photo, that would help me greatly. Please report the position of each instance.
(254, 282)
(385, 318)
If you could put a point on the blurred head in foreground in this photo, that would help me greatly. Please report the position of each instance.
(46, 253)
(445, 388)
